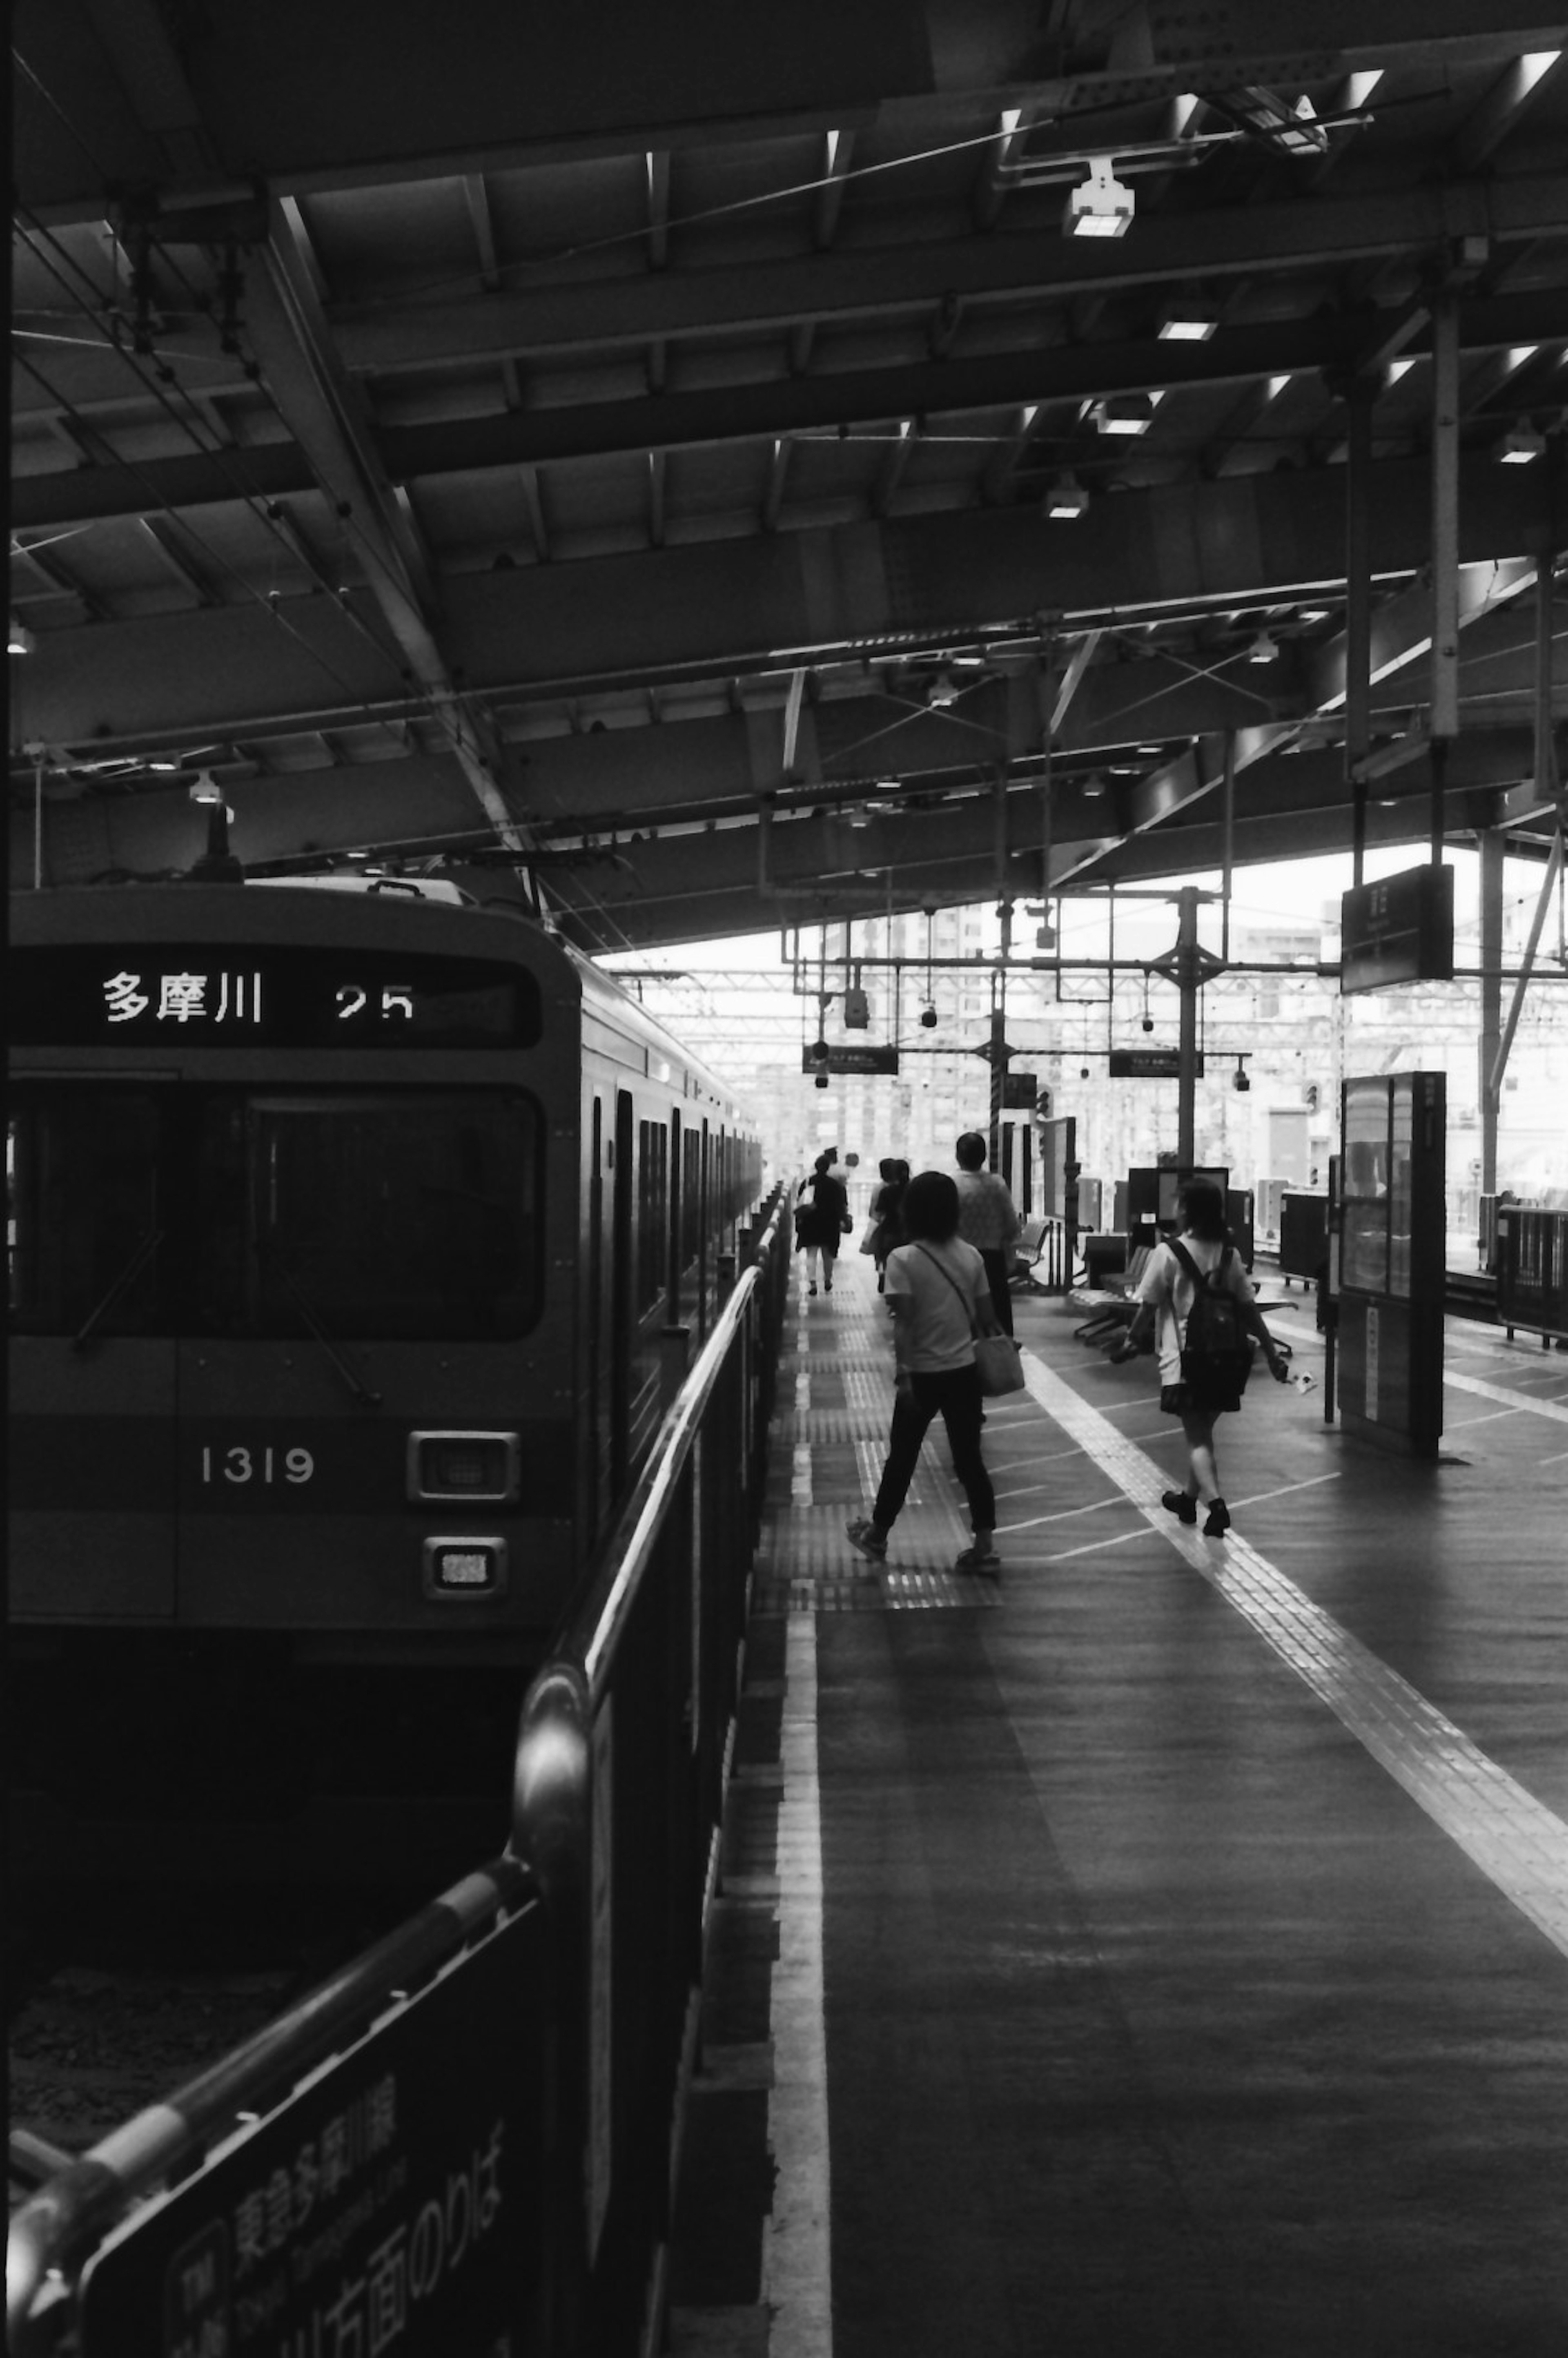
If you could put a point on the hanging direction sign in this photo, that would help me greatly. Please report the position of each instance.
(1150, 1065)
(851, 1060)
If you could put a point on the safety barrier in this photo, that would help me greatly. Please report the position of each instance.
(1532, 1271)
(466, 2141)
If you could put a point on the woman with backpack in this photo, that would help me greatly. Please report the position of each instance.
(1198, 1297)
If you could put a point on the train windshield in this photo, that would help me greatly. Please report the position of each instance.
(225, 1211)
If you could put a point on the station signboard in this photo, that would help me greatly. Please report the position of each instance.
(395, 2201)
(1150, 1065)
(1399, 930)
(851, 1060)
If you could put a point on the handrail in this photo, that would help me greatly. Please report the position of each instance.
(56, 2227)
(590, 1636)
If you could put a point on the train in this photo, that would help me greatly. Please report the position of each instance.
(358, 1233)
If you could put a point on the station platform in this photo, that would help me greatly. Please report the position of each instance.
(1164, 1949)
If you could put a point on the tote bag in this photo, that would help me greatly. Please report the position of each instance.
(1000, 1364)
(997, 1360)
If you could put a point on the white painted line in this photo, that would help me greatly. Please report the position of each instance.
(797, 2288)
(1484, 1390)
(1513, 1838)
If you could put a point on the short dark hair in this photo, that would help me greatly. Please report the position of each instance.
(931, 1207)
(971, 1151)
(1200, 1207)
(888, 1169)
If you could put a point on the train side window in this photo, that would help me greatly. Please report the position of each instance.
(84, 1214)
(409, 1215)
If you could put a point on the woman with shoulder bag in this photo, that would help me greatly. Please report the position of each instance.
(939, 1297)
(1203, 1354)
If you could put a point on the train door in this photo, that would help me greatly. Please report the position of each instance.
(673, 1248)
(92, 1232)
(600, 1357)
(621, 1290)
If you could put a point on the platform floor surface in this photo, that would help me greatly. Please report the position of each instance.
(1164, 1949)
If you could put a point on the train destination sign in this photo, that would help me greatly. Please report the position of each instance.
(206, 995)
(851, 1060)
(396, 2203)
(1150, 1065)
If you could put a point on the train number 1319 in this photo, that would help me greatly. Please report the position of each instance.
(240, 1465)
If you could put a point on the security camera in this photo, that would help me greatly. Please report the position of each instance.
(1240, 1081)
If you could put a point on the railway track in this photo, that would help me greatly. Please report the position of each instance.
(118, 1994)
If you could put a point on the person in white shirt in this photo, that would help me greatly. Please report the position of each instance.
(937, 1293)
(989, 1219)
(1165, 1301)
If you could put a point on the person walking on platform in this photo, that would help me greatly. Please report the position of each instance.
(821, 1216)
(987, 1219)
(887, 1218)
(1200, 1299)
(937, 1294)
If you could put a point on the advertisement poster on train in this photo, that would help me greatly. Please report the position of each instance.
(393, 2205)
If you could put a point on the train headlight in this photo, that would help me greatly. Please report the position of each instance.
(465, 1567)
(484, 1468)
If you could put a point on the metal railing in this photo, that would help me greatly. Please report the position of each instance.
(570, 1967)
(1533, 1269)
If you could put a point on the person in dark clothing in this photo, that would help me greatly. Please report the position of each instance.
(887, 1213)
(821, 1216)
(937, 1293)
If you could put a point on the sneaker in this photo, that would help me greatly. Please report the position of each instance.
(811, 1289)
(1218, 1522)
(1178, 1503)
(863, 1534)
(983, 1561)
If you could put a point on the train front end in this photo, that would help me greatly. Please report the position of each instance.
(293, 1241)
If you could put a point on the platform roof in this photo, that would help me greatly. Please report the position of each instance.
(609, 450)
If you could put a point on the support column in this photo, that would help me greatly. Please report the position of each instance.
(1445, 551)
(1189, 981)
(1360, 394)
(1491, 847)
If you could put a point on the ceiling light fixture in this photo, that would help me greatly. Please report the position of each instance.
(1101, 206)
(1188, 323)
(1521, 444)
(1066, 496)
(1262, 649)
(1094, 785)
(1124, 412)
(942, 690)
(19, 640)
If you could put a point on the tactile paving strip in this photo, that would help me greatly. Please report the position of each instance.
(835, 1406)
(1512, 1838)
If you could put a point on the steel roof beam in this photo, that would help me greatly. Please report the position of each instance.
(872, 283)
(1020, 382)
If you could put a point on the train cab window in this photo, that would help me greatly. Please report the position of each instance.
(85, 1216)
(411, 1215)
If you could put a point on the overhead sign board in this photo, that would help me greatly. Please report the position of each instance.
(1399, 930)
(1150, 1065)
(851, 1060)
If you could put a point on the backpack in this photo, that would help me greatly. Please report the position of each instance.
(1217, 1353)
